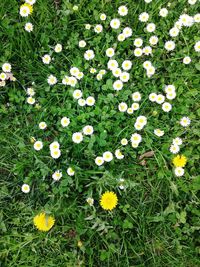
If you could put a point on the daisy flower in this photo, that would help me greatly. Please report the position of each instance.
(163, 12)
(28, 27)
(108, 200)
(57, 175)
(25, 10)
(65, 121)
(197, 46)
(166, 106)
(58, 48)
(118, 85)
(88, 130)
(179, 171)
(107, 156)
(115, 23)
(99, 161)
(138, 42)
(98, 28)
(151, 27)
(122, 107)
(153, 40)
(6, 67)
(55, 153)
(51, 80)
(90, 101)
(89, 55)
(127, 32)
(42, 125)
(187, 60)
(46, 59)
(110, 52)
(70, 171)
(138, 52)
(174, 149)
(43, 222)
(185, 121)
(54, 146)
(126, 65)
(143, 17)
(118, 154)
(124, 142)
(82, 43)
(123, 11)
(169, 45)
(77, 94)
(77, 137)
(103, 16)
(25, 188)
(159, 132)
(177, 141)
(38, 145)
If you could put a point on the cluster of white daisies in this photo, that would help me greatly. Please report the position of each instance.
(6, 74)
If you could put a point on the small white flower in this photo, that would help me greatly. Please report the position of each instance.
(77, 137)
(136, 138)
(24, 11)
(169, 45)
(25, 188)
(115, 23)
(103, 16)
(65, 121)
(46, 59)
(3, 76)
(126, 65)
(112, 64)
(174, 149)
(151, 27)
(57, 175)
(143, 17)
(90, 101)
(89, 54)
(153, 40)
(118, 154)
(179, 171)
(153, 97)
(177, 141)
(82, 43)
(31, 2)
(197, 18)
(192, 2)
(147, 1)
(75, 8)
(42, 125)
(147, 64)
(160, 99)
(99, 161)
(141, 120)
(135, 106)
(38, 145)
(134, 144)
(122, 107)
(136, 96)
(77, 94)
(158, 132)
(107, 156)
(187, 60)
(127, 31)
(197, 46)
(138, 52)
(55, 153)
(110, 52)
(54, 145)
(31, 100)
(121, 37)
(147, 50)
(123, 10)
(90, 201)
(138, 42)
(163, 12)
(171, 96)
(174, 32)
(170, 88)
(81, 102)
(88, 130)
(185, 121)
(150, 71)
(70, 171)
(118, 85)
(166, 107)
(6, 67)
(52, 80)
(124, 77)
(88, 26)
(98, 28)
(28, 27)
(116, 72)
(124, 142)
(130, 111)
(58, 48)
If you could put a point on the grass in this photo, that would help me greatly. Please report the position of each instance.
(156, 222)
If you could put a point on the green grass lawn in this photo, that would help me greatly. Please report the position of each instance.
(156, 220)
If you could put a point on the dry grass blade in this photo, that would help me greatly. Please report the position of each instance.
(148, 154)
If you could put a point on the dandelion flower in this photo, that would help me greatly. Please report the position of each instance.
(179, 161)
(108, 200)
(43, 222)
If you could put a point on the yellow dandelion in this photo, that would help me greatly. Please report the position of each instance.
(179, 161)
(108, 200)
(43, 222)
